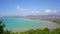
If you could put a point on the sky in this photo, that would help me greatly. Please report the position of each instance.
(29, 7)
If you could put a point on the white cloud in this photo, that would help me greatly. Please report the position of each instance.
(32, 12)
(20, 9)
(40, 12)
(55, 11)
(37, 12)
(51, 11)
(48, 11)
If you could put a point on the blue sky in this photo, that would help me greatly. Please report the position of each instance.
(29, 7)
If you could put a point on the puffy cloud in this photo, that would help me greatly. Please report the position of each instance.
(48, 11)
(51, 11)
(37, 12)
(20, 9)
(44, 12)
(55, 11)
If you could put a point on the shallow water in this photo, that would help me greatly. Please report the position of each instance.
(20, 24)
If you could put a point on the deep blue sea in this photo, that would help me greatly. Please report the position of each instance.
(22, 24)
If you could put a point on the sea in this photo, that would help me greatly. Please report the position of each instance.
(23, 24)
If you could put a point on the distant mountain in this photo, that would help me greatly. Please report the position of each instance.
(36, 16)
(12, 17)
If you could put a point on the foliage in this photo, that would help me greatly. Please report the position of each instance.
(56, 31)
(42, 31)
(8, 32)
(1, 27)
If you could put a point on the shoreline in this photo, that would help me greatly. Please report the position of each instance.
(35, 19)
(42, 19)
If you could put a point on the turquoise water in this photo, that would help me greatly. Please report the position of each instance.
(21, 24)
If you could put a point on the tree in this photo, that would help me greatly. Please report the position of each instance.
(8, 32)
(46, 31)
(56, 31)
(1, 27)
(38, 31)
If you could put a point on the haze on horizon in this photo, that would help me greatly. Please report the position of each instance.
(29, 7)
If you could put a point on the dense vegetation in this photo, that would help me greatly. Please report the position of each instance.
(1, 27)
(31, 31)
(42, 31)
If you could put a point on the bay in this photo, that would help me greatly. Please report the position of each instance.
(22, 24)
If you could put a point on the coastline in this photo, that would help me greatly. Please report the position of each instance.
(35, 19)
(42, 19)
